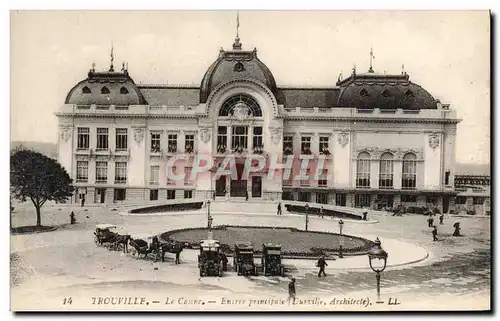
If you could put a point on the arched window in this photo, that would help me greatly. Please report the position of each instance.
(123, 91)
(409, 175)
(86, 90)
(244, 104)
(385, 179)
(363, 170)
(104, 90)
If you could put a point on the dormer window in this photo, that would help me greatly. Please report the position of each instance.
(363, 92)
(409, 94)
(386, 93)
(104, 90)
(123, 91)
(86, 90)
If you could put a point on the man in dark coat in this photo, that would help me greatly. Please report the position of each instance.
(291, 290)
(365, 214)
(434, 234)
(441, 218)
(279, 209)
(430, 221)
(83, 200)
(321, 264)
(321, 212)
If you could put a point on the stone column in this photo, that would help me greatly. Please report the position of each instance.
(229, 140)
(250, 139)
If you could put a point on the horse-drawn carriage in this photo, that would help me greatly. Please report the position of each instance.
(155, 249)
(271, 260)
(210, 258)
(103, 236)
(243, 261)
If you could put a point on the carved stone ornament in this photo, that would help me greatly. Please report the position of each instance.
(66, 132)
(240, 111)
(433, 140)
(205, 134)
(275, 135)
(343, 139)
(138, 134)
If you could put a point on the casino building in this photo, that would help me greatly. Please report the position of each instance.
(386, 140)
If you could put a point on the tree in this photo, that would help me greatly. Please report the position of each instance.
(39, 178)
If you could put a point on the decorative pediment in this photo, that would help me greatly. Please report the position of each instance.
(398, 153)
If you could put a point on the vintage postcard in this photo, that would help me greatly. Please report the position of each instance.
(250, 161)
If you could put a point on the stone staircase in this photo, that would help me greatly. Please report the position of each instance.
(242, 206)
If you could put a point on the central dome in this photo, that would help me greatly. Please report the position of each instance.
(233, 65)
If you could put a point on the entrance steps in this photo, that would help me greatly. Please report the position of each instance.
(237, 206)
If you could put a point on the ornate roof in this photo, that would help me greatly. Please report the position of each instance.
(106, 88)
(371, 90)
(235, 64)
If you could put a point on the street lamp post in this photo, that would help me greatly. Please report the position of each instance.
(307, 218)
(209, 217)
(378, 261)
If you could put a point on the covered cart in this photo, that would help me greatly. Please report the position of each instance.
(271, 260)
(243, 261)
(210, 258)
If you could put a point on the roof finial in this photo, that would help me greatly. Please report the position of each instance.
(237, 44)
(93, 66)
(123, 66)
(403, 69)
(340, 76)
(354, 69)
(371, 60)
(111, 68)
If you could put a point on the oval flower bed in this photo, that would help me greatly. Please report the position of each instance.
(175, 207)
(294, 242)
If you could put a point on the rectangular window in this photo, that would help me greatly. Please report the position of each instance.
(121, 139)
(305, 145)
(257, 138)
(83, 138)
(221, 139)
(172, 143)
(461, 200)
(171, 194)
(154, 178)
(101, 172)
(155, 143)
(287, 145)
(189, 143)
(340, 199)
(363, 173)
(120, 172)
(170, 180)
(323, 145)
(305, 182)
(82, 171)
(362, 200)
(188, 194)
(385, 179)
(322, 198)
(239, 138)
(120, 194)
(187, 176)
(102, 139)
(323, 182)
(153, 195)
(287, 196)
(408, 198)
(304, 197)
(478, 200)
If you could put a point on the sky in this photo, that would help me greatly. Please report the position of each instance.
(446, 52)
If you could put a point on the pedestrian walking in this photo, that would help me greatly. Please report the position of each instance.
(441, 218)
(321, 212)
(321, 264)
(434, 234)
(291, 290)
(246, 195)
(365, 215)
(429, 222)
(72, 218)
(178, 256)
(279, 209)
(83, 200)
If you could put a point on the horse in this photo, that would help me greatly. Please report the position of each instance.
(122, 240)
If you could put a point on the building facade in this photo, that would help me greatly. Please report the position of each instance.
(384, 139)
(472, 184)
